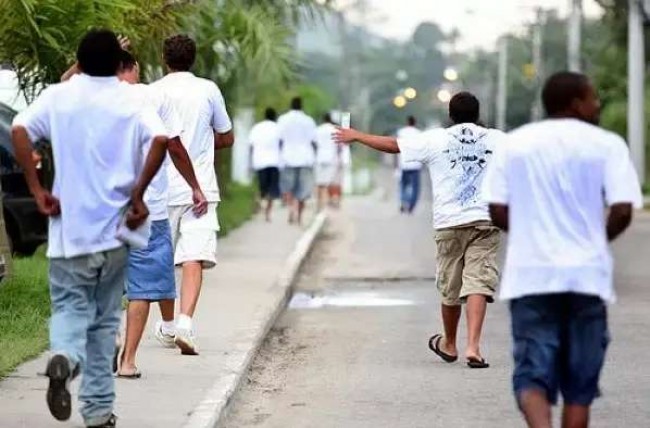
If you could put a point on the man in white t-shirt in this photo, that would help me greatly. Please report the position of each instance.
(548, 189)
(206, 129)
(98, 129)
(327, 158)
(409, 170)
(467, 242)
(298, 135)
(265, 158)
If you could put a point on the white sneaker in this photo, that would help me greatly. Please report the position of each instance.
(165, 339)
(185, 341)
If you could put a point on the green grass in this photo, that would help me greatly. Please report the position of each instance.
(24, 312)
(236, 207)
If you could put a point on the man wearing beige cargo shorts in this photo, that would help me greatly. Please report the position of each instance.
(467, 243)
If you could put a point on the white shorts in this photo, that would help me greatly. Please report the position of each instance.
(326, 174)
(194, 238)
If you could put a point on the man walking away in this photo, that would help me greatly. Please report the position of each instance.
(265, 155)
(548, 189)
(150, 274)
(327, 159)
(98, 130)
(409, 170)
(206, 128)
(298, 135)
(466, 240)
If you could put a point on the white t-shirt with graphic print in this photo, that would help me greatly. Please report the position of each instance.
(457, 158)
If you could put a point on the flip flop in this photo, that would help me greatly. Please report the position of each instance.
(434, 345)
(477, 363)
(134, 375)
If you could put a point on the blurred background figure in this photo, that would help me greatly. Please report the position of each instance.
(265, 159)
(409, 170)
(327, 160)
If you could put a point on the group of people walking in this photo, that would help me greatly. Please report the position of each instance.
(292, 155)
(135, 194)
(547, 184)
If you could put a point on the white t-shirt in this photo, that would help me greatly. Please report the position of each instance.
(98, 128)
(557, 176)
(202, 110)
(327, 151)
(265, 142)
(298, 132)
(157, 194)
(457, 158)
(408, 133)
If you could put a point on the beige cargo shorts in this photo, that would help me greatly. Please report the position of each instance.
(467, 262)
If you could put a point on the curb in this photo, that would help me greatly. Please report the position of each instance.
(210, 411)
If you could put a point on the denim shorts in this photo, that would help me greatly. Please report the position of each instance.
(150, 272)
(560, 342)
(298, 181)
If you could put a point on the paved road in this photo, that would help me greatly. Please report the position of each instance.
(351, 351)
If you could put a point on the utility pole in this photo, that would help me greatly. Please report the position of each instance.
(575, 36)
(502, 84)
(538, 64)
(636, 86)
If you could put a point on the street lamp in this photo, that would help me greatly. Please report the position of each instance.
(451, 74)
(444, 95)
(410, 93)
(400, 101)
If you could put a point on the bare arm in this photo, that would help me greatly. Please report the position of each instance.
(377, 142)
(183, 164)
(47, 204)
(224, 141)
(619, 219)
(500, 216)
(74, 69)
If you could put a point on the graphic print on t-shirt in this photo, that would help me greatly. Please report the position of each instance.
(468, 150)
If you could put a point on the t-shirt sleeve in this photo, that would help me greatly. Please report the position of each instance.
(418, 148)
(495, 183)
(621, 179)
(220, 119)
(36, 118)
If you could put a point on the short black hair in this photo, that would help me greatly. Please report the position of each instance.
(127, 60)
(296, 103)
(99, 53)
(179, 52)
(270, 114)
(411, 120)
(464, 107)
(561, 89)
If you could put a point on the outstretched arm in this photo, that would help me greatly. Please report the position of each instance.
(377, 142)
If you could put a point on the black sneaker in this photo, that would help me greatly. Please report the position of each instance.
(58, 396)
(110, 423)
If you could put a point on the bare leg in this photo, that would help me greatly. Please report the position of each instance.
(476, 308)
(167, 310)
(191, 287)
(136, 319)
(536, 409)
(322, 191)
(450, 320)
(575, 416)
(301, 209)
(291, 203)
(269, 207)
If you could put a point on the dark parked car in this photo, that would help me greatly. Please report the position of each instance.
(26, 227)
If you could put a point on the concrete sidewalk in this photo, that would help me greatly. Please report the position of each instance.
(239, 302)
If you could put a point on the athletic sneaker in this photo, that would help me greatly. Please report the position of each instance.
(166, 340)
(185, 341)
(110, 423)
(59, 400)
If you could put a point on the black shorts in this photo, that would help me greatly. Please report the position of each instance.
(269, 181)
(559, 345)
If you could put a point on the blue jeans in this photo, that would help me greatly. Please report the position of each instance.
(410, 189)
(86, 294)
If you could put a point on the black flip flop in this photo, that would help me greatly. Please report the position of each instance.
(434, 345)
(135, 375)
(475, 363)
